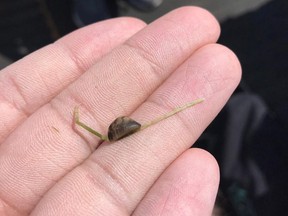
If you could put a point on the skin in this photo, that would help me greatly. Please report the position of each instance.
(49, 166)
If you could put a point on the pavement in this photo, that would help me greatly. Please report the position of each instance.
(222, 10)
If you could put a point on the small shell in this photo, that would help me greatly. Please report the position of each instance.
(122, 127)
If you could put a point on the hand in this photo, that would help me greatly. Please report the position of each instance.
(49, 166)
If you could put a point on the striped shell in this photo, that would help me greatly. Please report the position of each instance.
(122, 127)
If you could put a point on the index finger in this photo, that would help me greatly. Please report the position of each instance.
(33, 81)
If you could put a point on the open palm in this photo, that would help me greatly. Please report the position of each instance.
(49, 166)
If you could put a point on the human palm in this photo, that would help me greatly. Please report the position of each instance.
(49, 166)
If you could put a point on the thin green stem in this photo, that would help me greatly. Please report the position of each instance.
(173, 112)
(86, 127)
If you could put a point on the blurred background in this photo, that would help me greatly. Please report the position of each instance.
(249, 137)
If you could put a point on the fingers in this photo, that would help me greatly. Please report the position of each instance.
(123, 79)
(187, 187)
(36, 79)
(45, 148)
(117, 176)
